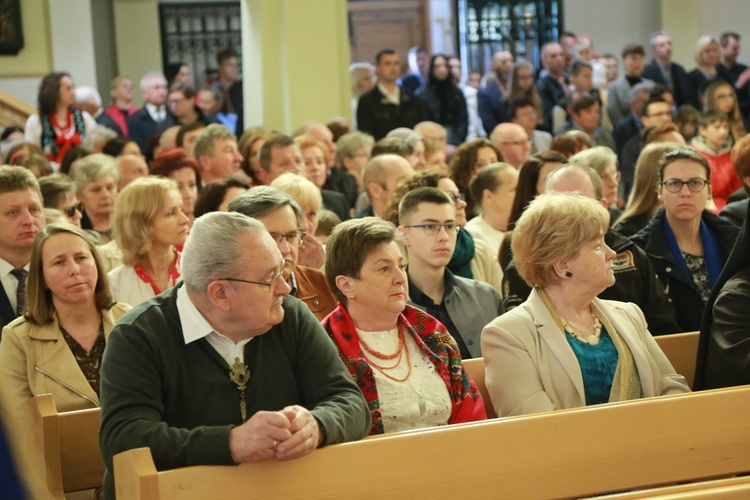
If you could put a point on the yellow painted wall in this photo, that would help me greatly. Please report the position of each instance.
(35, 59)
(680, 19)
(137, 39)
(301, 50)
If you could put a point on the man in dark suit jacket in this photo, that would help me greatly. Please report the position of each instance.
(154, 116)
(490, 100)
(419, 60)
(734, 72)
(662, 70)
(553, 87)
(21, 217)
(388, 106)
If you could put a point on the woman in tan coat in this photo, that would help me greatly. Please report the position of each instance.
(56, 346)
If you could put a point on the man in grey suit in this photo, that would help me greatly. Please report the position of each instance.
(618, 104)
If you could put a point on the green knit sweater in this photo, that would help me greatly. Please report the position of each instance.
(178, 399)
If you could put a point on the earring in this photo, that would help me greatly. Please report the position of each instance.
(351, 297)
(568, 274)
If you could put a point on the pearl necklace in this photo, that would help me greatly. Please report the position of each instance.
(592, 339)
(582, 337)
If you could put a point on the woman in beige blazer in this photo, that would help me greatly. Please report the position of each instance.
(56, 346)
(563, 347)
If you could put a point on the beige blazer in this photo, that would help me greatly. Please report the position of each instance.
(35, 359)
(530, 367)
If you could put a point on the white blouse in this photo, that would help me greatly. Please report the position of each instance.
(420, 401)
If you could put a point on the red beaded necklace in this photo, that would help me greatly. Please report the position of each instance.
(387, 357)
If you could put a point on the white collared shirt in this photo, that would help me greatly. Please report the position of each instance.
(157, 114)
(393, 97)
(195, 327)
(10, 282)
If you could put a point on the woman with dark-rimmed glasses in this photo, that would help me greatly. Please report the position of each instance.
(687, 245)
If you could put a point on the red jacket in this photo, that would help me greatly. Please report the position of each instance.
(724, 180)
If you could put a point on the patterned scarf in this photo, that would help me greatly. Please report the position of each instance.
(432, 339)
(55, 146)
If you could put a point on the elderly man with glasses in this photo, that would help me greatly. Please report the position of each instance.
(225, 368)
(282, 217)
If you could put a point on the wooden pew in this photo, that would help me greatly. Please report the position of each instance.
(63, 448)
(734, 487)
(682, 351)
(475, 369)
(568, 453)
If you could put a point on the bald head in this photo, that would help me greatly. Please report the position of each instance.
(381, 175)
(502, 64)
(553, 58)
(131, 167)
(513, 142)
(578, 178)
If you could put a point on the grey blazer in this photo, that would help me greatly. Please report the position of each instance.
(471, 305)
(618, 102)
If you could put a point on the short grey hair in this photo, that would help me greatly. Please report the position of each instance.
(99, 135)
(211, 250)
(646, 87)
(91, 168)
(88, 94)
(263, 200)
(652, 38)
(349, 144)
(150, 76)
(204, 143)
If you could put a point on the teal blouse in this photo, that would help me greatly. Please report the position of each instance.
(598, 363)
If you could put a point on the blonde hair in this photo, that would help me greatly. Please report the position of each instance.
(39, 307)
(305, 141)
(302, 190)
(701, 45)
(135, 208)
(555, 226)
(644, 198)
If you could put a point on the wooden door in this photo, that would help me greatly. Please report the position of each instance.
(381, 24)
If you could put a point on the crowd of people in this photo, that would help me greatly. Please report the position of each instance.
(229, 294)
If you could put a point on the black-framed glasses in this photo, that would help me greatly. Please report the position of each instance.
(696, 184)
(294, 238)
(434, 228)
(71, 210)
(456, 196)
(269, 284)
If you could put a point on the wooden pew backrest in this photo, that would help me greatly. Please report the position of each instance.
(682, 351)
(65, 446)
(568, 453)
(475, 369)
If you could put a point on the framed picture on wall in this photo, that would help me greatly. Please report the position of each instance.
(11, 31)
